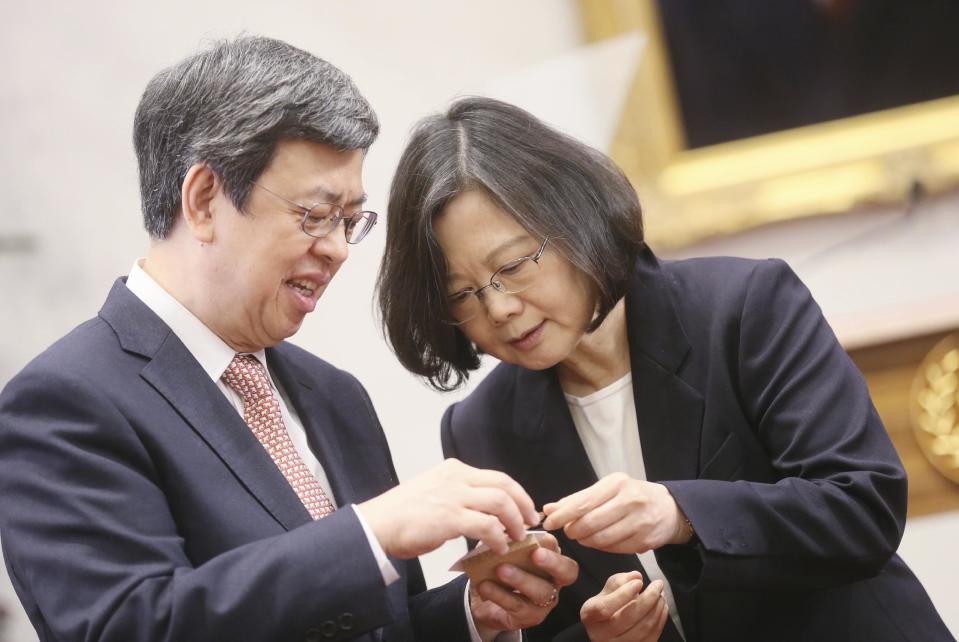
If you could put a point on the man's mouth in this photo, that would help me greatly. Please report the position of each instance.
(305, 287)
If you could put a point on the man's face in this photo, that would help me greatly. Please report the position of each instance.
(267, 274)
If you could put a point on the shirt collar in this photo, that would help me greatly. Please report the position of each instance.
(210, 351)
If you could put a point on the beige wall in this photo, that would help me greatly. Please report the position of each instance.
(74, 73)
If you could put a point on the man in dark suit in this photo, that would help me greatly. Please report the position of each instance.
(171, 469)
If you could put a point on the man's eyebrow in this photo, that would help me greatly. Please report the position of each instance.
(323, 195)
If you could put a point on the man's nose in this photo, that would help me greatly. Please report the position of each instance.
(333, 246)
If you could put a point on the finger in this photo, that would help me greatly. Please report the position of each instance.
(562, 569)
(479, 477)
(506, 600)
(628, 535)
(599, 518)
(651, 596)
(628, 619)
(645, 630)
(651, 627)
(640, 617)
(496, 502)
(571, 507)
(549, 541)
(661, 622)
(483, 527)
(538, 591)
(602, 607)
(578, 504)
(617, 580)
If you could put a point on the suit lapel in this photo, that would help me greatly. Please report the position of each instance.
(668, 410)
(315, 408)
(176, 375)
(555, 464)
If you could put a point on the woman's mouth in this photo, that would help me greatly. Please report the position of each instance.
(530, 339)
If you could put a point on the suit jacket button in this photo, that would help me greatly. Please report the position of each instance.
(328, 629)
(313, 635)
(346, 621)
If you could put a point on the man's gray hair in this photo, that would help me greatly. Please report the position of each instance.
(228, 107)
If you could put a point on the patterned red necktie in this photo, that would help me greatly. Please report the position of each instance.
(261, 411)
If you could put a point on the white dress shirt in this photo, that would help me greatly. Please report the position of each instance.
(606, 423)
(214, 355)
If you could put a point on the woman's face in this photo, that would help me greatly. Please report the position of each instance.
(536, 328)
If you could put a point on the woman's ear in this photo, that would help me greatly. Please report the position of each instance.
(197, 195)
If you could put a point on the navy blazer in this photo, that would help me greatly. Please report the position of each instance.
(761, 427)
(138, 506)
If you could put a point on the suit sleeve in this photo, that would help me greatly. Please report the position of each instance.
(837, 512)
(90, 538)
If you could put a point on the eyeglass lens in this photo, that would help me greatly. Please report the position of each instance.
(324, 217)
(512, 278)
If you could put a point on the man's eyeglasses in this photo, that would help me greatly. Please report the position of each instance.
(320, 219)
(511, 278)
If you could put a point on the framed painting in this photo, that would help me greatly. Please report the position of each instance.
(747, 113)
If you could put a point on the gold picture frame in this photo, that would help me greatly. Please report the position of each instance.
(826, 168)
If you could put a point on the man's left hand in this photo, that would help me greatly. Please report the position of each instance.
(531, 599)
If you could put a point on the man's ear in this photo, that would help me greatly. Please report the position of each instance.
(197, 196)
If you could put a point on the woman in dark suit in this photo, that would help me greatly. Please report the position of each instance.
(708, 450)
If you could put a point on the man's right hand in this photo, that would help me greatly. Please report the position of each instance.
(448, 501)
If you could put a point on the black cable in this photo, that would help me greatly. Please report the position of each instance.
(915, 196)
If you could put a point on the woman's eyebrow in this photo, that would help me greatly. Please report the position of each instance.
(505, 245)
(492, 254)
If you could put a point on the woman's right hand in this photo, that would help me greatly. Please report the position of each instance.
(619, 514)
(623, 612)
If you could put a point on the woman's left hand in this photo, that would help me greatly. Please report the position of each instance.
(531, 599)
(620, 514)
